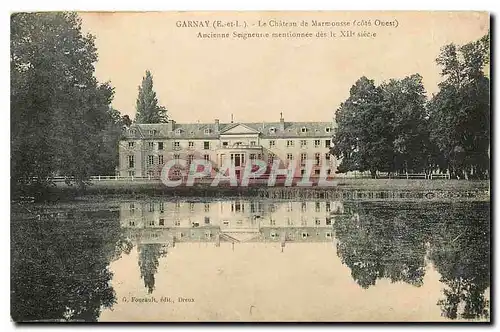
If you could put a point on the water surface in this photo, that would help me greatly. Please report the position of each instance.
(251, 260)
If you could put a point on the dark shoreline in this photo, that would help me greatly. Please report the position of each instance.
(346, 189)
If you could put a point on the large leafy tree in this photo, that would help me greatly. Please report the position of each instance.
(148, 110)
(405, 102)
(460, 111)
(363, 139)
(59, 112)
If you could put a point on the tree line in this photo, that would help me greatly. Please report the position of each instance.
(393, 127)
(62, 121)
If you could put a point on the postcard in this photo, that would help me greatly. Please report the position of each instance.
(245, 166)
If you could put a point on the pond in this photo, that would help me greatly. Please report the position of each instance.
(251, 260)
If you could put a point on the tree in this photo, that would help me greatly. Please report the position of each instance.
(460, 111)
(363, 139)
(405, 100)
(59, 111)
(149, 255)
(148, 110)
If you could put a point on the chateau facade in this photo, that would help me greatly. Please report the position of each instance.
(145, 148)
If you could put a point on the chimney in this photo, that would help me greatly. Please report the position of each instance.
(171, 125)
(282, 122)
(216, 125)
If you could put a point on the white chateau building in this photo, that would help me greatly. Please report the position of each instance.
(145, 148)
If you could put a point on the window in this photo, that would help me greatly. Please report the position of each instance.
(272, 130)
(131, 223)
(303, 130)
(207, 220)
(160, 145)
(252, 156)
(176, 156)
(206, 157)
(317, 207)
(191, 144)
(328, 221)
(207, 207)
(289, 143)
(317, 157)
(317, 143)
(224, 144)
(132, 132)
(151, 223)
(303, 207)
(162, 207)
(327, 206)
(178, 131)
(160, 160)
(272, 144)
(317, 222)
(207, 131)
(130, 161)
(303, 143)
(177, 223)
(151, 145)
(150, 160)
(327, 143)
(289, 156)
(327, 156)
(177, 145)
(162, 222)
(152, 132)
(206, 145)
(151, 207)
(328, 129)
(252, 143)
(190, 158)
(130, 144)
(131, 173)
(270, 158)
(303, 157)
(316, 171)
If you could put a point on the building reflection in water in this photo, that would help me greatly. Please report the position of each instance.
(156, 226)
(229, 221)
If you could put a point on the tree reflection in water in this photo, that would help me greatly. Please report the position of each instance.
(149, 255)
(379, 241)
(60, 262)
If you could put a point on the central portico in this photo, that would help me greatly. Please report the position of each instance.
(239, 143)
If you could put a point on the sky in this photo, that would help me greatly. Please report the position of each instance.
(199, 80)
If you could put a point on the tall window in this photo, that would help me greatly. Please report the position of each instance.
(270, 158)
(176, 145)
(191, 144)
(303, 143)
(160, 145)
(289, 143)
(150, 160)
(206, 145)
(190, 158)
(317, 157)
(327, 156)
(272, 144)
(317, 143)
(160, 160)
(252, 156)
(327, 143)
(176, 157)
(130, 144)
(131, 161)
(252, 143)
(303, 157)
(289, 156)
(206, 157)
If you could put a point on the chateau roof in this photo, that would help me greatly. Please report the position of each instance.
(209, 130)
